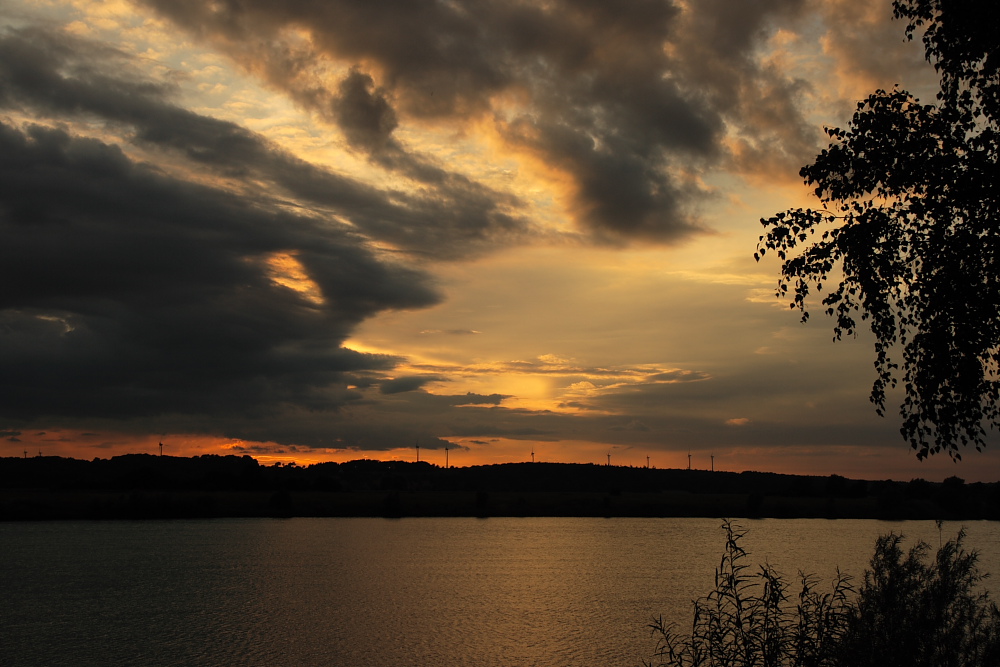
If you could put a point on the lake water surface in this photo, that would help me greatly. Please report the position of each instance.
(531, 592)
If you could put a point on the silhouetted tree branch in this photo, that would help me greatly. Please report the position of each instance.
(908, 232)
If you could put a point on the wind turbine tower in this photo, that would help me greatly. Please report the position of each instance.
(713, 462)
(609, 457)
(418, 452)
(689, 461)
(647, 462)
(446, 457)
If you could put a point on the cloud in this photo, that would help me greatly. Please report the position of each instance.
(628, 105)
(481, 430)
(363, 113)
(406, 383)
(51, 72)
(372, 421)
(549, 364)
(653, 416)
(167, 270)
(133, 293)
(247, 448)
(188, 296)
(869, 49)
(633, 425)
(450, 332)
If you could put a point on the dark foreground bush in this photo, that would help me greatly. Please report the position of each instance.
(907, 612)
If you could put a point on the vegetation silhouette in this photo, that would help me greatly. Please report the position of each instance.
(909, 225)
(136, 486)
(908, 611)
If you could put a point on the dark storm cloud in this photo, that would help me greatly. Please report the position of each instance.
(50, 72)
(130, 293)
(628, 100)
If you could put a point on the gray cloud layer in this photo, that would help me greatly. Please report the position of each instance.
(129, 292)
(136, 265)
(134, 292)
(54, 73)
(622, 98)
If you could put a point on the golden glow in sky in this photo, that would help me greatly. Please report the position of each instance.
(325, 231)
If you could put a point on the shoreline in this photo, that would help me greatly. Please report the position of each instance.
(45, 505)
(141, 486)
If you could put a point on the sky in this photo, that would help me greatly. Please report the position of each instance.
(493, 230)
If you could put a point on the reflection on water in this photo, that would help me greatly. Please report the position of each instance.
(421, 592)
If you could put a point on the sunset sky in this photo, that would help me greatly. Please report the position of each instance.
(311, 231)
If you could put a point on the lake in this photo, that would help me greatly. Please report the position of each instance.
(531, 592)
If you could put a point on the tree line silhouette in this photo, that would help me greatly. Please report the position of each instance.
(147, 486)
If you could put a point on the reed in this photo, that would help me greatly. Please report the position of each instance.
(908, 611)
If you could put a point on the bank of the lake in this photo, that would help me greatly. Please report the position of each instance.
(34, 505)
(147, 487)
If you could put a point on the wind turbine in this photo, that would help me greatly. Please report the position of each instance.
(418, 452)
(689, 460)
(446, 457)
(609, 457)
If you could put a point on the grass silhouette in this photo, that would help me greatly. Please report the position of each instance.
(908, 610)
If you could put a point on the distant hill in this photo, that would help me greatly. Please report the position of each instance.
(147, 486)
